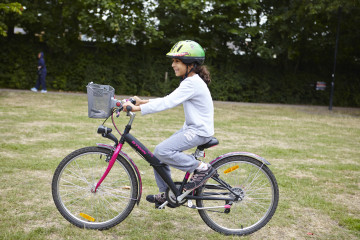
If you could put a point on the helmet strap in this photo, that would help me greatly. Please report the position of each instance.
(187, 73)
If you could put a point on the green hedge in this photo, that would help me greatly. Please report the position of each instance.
(141, 71)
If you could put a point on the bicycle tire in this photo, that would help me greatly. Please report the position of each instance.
(75, 178)
(257, 187)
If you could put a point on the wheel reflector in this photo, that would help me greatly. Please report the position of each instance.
(231, 169)
(87, 217)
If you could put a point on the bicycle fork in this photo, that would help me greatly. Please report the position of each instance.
(110, 165)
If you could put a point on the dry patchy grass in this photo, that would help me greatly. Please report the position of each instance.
(314, 155)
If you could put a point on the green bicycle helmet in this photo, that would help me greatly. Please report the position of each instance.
(188, 52)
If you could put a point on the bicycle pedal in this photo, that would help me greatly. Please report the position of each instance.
(190, 204)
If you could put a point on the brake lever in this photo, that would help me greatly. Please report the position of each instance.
(118, 112)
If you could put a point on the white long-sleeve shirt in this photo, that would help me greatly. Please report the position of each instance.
(195, 96)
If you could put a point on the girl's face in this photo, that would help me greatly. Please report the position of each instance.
(179, 67)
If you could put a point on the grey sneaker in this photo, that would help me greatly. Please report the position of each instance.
(158, 199)
(199, 178)
(34, 89)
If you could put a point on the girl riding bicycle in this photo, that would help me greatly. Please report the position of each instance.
(97, 187)
(187, 59)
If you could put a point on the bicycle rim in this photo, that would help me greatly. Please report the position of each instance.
(259, 196)
(74, 183)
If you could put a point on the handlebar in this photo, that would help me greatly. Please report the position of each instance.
(128, 108)
(132, 100)
(118, 104)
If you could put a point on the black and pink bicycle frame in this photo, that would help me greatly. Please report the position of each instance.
(158, 166)
(144, 152)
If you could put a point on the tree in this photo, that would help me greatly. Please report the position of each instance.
(7, 10)
(303, 32)
(267, 50)
(61, 22)
(221, 26)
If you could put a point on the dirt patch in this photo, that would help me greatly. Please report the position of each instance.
(302, 174)
(351, 201)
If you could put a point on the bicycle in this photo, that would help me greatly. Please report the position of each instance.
(239, 199)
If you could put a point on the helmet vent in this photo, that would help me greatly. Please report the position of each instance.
(179, 48)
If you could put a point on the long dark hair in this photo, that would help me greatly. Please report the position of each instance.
(203, 73)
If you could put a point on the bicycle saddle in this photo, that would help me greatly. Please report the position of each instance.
(211, 143)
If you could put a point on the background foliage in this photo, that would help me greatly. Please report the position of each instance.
(257, 51)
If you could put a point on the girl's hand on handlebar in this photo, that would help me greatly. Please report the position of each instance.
(133, 107)
(139, 101)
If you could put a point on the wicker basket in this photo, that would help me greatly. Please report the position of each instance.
(99, 100)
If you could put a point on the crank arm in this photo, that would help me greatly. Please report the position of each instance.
(163, 205)
(182, 196)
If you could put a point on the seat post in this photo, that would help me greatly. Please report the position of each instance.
(199, 152)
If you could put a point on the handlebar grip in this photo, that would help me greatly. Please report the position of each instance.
(128, 108)
(132, 100)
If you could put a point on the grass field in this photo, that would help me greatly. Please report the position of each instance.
(314, 154)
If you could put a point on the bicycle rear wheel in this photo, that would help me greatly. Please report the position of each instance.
(259, 192)
(75, 179)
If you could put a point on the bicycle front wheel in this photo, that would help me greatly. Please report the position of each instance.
(73, 187)
(259, 196)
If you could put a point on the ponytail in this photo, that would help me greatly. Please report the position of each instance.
(203, 73)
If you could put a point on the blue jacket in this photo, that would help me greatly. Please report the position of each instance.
(41, 64)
